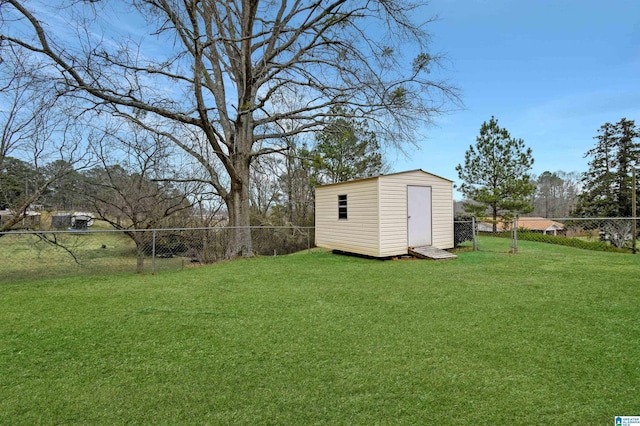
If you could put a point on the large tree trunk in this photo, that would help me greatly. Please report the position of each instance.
(238, 205)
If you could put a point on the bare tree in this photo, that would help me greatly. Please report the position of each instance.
(17, 98)
(231, 66)
(266, 191)
(124, 190)
(37, 129)
(298, 180)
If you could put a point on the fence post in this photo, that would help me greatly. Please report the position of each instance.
(250, 249)
(514, 238)
(153, 252)
(474, 233)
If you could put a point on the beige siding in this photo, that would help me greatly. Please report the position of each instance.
(377, 214)
(393, 210)
(359, 233)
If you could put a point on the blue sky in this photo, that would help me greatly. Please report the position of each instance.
(551, 72)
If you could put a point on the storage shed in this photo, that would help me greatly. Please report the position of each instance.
(383, 216)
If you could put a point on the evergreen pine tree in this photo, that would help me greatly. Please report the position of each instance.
(495, 174)
(607, 184)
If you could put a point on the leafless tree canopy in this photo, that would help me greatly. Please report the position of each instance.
(36, 127)
(230, 80)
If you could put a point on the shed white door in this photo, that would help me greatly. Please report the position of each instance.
(419, 215)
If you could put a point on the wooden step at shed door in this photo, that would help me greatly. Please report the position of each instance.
(430, 252)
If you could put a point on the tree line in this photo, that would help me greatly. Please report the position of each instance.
(497, 181)
(137, 192)
(124, 179)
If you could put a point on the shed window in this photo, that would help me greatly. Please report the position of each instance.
(342, 206)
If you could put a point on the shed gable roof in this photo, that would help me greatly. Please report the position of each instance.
(382, 176)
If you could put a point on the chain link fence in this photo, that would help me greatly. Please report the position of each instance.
(465, 230)
(43, 254)
(27, 255)
(604, 234)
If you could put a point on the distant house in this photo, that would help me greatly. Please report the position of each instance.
(385, 215)
(486, 225)
(532, 224)
(542, 225)
(29, 219)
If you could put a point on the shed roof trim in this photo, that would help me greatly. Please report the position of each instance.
(381, 176)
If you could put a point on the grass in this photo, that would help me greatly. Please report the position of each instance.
(23, 257)
(548, 336)
(584, 242)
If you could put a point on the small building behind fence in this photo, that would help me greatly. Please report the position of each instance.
(61, 221)
(31, 219)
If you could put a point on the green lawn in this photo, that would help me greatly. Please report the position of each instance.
(548, 336)
(23, 256)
